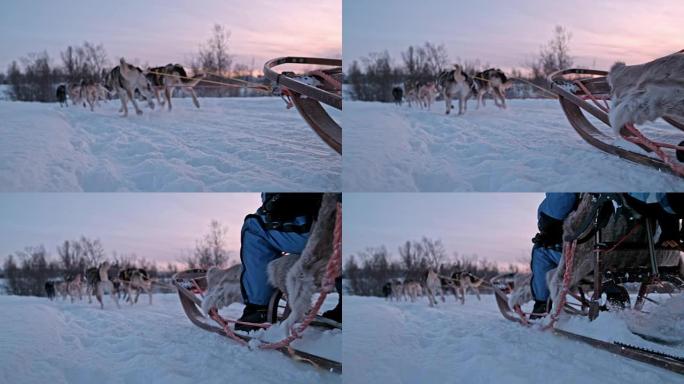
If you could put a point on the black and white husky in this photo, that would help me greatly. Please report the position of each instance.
(125, 79)
(169, 77)
(455, 83)
(494, 81)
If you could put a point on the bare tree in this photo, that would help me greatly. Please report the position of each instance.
(214, 54)
(210, 250)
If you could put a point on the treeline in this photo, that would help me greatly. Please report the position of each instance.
(26, 271)
(36, 76)
(367, 271)
(372, 78)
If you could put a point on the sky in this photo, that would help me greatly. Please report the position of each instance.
(495, 226)
(162, 31)
(156, 226)
(507, 34)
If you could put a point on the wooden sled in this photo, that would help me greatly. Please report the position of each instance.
(583, 91)
(307, 94)
(192, 283)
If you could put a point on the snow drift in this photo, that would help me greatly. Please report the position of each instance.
(230, 144)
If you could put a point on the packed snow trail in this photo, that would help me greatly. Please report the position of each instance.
(453, 343)
(528, 147)
(229, 144)
(58, 342)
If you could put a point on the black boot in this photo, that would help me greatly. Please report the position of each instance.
(539, 310)
(252, 314)
(334, 314)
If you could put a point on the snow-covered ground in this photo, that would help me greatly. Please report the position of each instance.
(58, 342)
(390, 342)
(529, 147)
(229, 144)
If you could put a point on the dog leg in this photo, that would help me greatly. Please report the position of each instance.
(194, 97)
(447, 100)
(167, 95)
(124, 103)
(138, 111)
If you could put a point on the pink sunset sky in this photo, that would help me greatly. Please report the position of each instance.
(157, 226)
(162, 31)
(507, 33)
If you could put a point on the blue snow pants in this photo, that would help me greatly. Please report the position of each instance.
(259, 247)
(543, 260)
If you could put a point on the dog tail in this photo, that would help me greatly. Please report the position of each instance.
(124, 66)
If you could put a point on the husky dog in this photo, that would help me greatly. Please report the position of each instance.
(462, 281)
(170, 77)
(398, 290)
(74, 288)
(135, 279)
(426, 94)
(494, 81)
(433, 286)
(413, 290)
(412, 97)
(455, 83)
(125, 79)
(61, 95)
(642, 93)
(50, 290)
(104, 285)
(74, 91)
(398, 95)
(387, 291)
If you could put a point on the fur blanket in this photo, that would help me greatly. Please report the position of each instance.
(645, 92)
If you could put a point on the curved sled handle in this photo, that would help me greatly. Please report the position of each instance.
(318, 94)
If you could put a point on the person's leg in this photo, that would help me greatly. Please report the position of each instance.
(260, 247)
(543, 260)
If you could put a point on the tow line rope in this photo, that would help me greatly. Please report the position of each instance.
(332, 271)
(247, 84)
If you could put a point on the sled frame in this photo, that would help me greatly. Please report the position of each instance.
(308, 98)
(191, 305)
(574, 107)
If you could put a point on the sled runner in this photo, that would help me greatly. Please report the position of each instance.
(604, 250)
(307, 92)
(583, 91)
(192, 283)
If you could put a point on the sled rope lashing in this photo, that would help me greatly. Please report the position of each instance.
(639, 139)
(635, 136)
(569, 257)
(249, 85)
(332, 271)
(604, 107)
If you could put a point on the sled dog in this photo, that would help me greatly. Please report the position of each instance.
(426, 95)
(104, 285)
(494, 81)
(61, 95)
(223, 287)
(461, 282)
(124, 80)
(413, 289)
(433, 286)
(135, 280)
(169, 77)
(455, 83)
